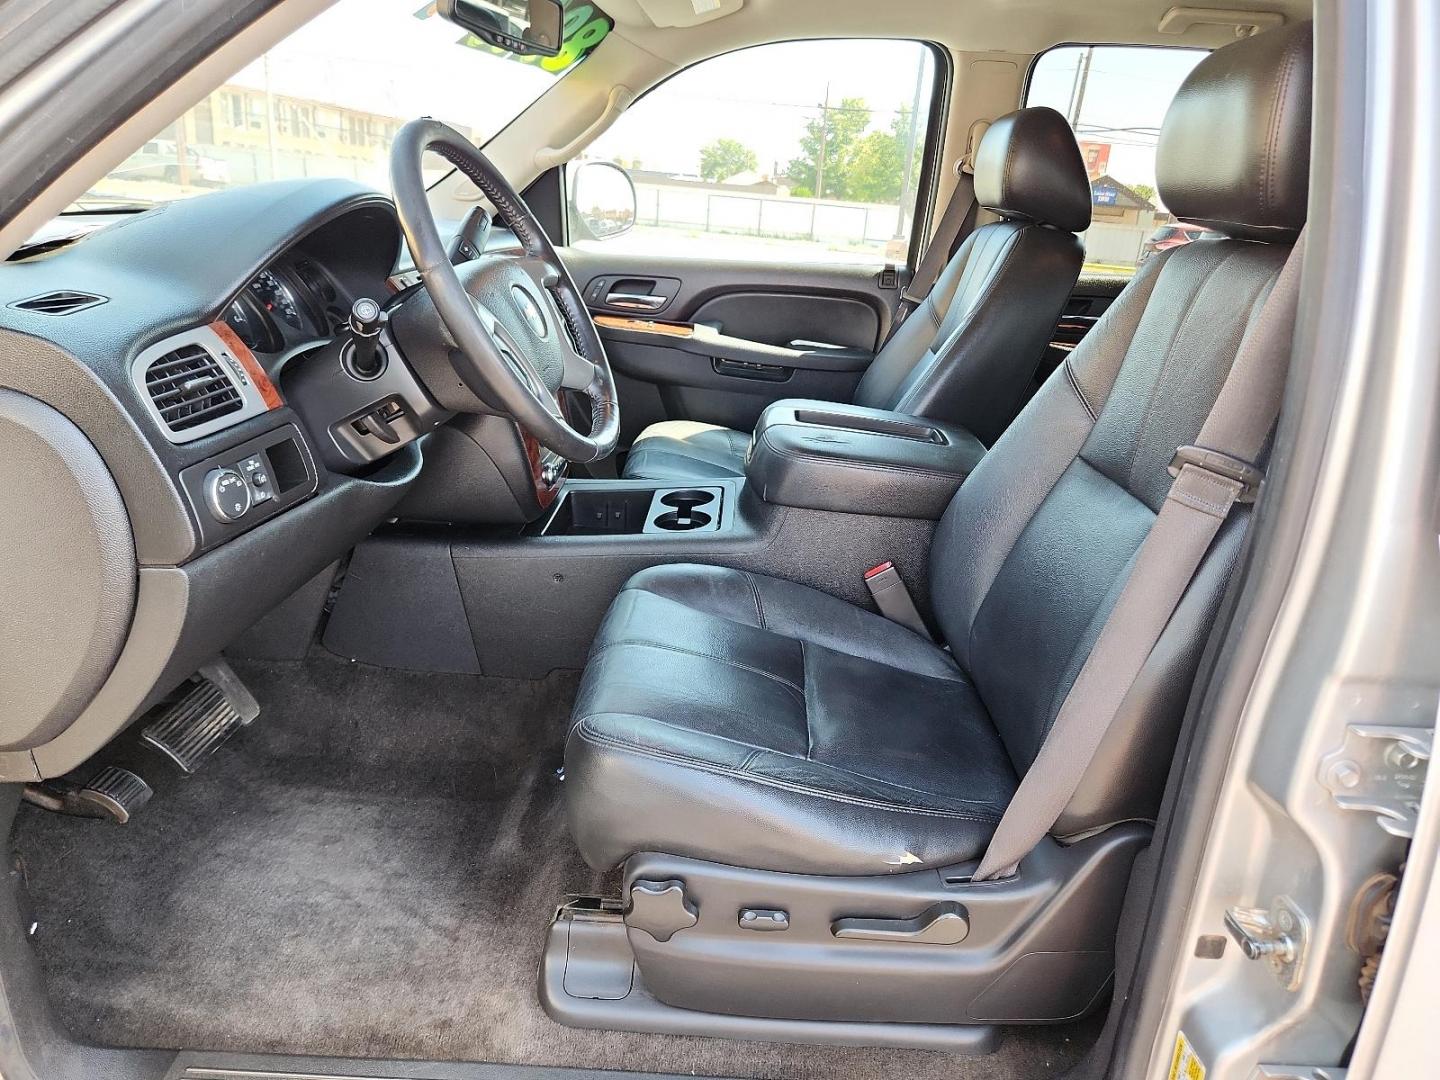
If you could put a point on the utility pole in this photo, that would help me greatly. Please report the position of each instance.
(910, 150)
(269, 118)
(182, 152)
(824, 134)
(1077, 92)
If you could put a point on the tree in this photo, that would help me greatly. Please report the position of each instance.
(837, 130)
(725, 158)
(877, 173)
(1145, 191)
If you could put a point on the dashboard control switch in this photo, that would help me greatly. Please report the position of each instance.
(227, 496)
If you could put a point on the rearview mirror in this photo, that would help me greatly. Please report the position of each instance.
(602, 201)
(526, 27)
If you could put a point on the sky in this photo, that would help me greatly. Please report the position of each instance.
(1126, 95)
(376, 56)
(763, 97)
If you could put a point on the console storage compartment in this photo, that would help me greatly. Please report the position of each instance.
(826, 456)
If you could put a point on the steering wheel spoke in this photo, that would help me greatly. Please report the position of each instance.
(522, 329)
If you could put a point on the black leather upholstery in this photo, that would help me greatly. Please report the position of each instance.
(1028, 166)
(966, 355)
(823, 456)
(1234, 152)
(740, 719)
(684, 450)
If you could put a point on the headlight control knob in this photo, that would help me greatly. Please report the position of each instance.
(227, 496)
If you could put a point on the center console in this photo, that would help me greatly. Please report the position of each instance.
(611, 508)
(851, 460)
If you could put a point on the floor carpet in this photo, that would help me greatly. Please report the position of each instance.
(368, 871)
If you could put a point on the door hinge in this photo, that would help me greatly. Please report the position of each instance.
(1380, 769)
(1278, 935)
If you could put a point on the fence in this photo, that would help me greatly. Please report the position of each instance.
(744, 213)
(857, 225)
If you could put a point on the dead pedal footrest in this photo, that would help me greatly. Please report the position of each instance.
(190, 729)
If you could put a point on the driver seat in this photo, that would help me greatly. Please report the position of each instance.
(967, 354)
(732, 720)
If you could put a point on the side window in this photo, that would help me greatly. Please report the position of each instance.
(806, 151)
(1115, 97)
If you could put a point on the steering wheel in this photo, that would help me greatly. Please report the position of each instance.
(519, 325)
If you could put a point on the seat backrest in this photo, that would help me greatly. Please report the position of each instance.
(1033, 551)
(967, 354)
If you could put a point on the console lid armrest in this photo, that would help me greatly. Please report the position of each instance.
(825, 456)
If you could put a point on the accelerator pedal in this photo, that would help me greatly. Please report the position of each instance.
(214, 706)
(113, 793)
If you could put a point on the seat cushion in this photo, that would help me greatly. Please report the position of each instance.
(746, 720)
(683, 451)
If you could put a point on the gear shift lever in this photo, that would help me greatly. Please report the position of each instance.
(367, 355)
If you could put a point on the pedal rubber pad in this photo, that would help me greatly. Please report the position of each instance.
(190, 729)
(115, 793)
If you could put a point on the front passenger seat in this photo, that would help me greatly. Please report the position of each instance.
(742, 743)
(966, 355)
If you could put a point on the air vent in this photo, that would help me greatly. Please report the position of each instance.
(190, 388)
(60, 302)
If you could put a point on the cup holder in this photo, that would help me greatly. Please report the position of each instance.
(683, 519)
(688, 500)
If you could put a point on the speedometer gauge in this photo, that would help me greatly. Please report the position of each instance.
(275, 296)
(252, 325)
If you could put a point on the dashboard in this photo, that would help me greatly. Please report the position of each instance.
(167, 398)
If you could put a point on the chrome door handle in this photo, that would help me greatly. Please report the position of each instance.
(639, 301)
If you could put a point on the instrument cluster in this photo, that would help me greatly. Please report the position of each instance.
(286, 305)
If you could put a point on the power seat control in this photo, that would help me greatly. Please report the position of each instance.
(227, 495)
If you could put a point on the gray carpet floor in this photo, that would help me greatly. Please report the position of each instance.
(368, 871)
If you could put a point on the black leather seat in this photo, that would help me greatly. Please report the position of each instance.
(744, 720)
(967, 354)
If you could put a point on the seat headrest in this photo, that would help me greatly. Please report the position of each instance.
(1234, 151)
(1029, 166)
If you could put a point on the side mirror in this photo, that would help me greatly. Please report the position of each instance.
(602, 201)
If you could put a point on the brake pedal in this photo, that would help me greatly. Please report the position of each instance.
(190, 729)
(113, 793)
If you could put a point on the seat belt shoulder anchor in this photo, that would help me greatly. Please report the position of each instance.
(1220, 464)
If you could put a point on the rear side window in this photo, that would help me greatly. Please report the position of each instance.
(1115, 97)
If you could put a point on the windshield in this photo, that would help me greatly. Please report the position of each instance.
(328, 100)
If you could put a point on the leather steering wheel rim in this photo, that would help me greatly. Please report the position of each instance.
(490, 356)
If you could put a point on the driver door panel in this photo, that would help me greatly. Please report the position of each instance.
(835, 314)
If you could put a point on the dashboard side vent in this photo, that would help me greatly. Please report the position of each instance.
(60, 302)
(190, 388)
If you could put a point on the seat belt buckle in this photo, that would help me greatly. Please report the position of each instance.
(1231, 468)
(893, 600)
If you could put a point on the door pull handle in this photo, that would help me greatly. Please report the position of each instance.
(637, 301)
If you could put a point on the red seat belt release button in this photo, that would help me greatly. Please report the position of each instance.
(892, 598)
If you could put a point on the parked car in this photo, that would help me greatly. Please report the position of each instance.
(1175, 234)
(159, 159)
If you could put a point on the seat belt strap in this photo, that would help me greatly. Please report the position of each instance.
(955, 225)
(1210, 480)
